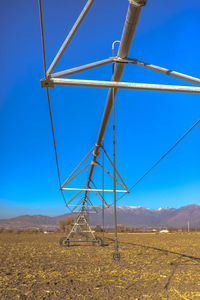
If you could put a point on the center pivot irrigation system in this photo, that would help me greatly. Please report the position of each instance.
(84, 204)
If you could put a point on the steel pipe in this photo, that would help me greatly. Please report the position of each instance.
(70, 36)
(85, 205)
(81, 68)
(123, 85)
(159, 69)
(132, 17)
(92, 190)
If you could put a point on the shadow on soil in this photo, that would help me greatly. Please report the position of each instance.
(160, 249)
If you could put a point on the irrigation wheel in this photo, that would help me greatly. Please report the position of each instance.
(116, 257)
(99, 241)
(64, 242)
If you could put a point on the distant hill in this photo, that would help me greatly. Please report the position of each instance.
(139, 217)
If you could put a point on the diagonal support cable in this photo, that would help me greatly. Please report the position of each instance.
(48, 97)
(160, 159)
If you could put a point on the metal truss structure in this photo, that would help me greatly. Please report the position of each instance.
(82, 229)
(118, 62)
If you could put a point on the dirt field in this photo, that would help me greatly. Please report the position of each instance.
(152, 266)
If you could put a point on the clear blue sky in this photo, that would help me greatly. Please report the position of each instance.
(147, 123)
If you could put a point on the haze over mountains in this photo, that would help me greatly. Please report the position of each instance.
(139, 217)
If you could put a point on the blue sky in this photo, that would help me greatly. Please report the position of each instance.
(147, 123)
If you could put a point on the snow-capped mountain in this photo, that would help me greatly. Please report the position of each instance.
(133, 216)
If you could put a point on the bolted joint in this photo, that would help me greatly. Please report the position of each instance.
(97, 153)
(94, 154)
(138, 3)
(46, 83)
(119, 59)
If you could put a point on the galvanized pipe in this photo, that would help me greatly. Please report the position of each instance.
(122, 85)
(159, 69)
(81, 68)
(132, 17)
(86, 205)
(70, 36)
(91, 190)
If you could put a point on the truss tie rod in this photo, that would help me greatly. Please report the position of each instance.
(71, 178)
(92, 190)
(75, 207)
(76, 194)
(70, 36)
(101, 199)
(77, 167)
(158, 69)
(110, 174)
(89, 202)
(81, 68)
(115, 169)
(123, 85)
(100, 195)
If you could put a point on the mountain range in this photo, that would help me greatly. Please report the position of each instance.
(133, 216)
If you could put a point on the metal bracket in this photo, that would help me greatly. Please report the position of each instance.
(46, 83)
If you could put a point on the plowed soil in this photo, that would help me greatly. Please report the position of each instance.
(152, 266)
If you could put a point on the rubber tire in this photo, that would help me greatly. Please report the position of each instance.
(116, 257)
(61, 241)
(64, 242)
(99, 241)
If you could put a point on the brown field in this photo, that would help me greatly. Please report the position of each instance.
(152, 266)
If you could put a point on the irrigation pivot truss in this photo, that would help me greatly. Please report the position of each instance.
(51, 79)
